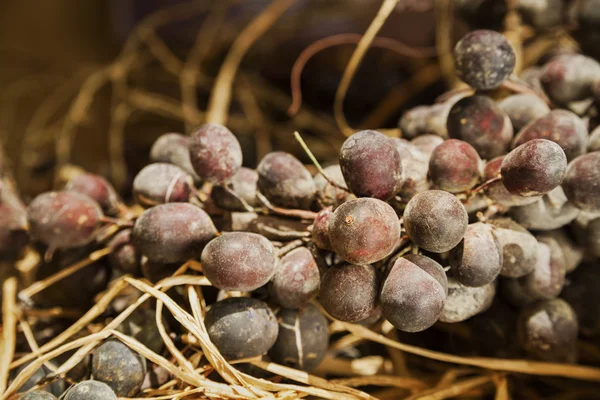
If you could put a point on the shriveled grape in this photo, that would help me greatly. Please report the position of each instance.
(435, 220)
(413, 294)
(172, 232)
(119, 367)
(569, 77)
(581, 182)
(239, 261)
(90, 390)
(349, 292)
(215, 153)
(454, 166)
(284, 180)
(523, 108)
(364, 230)
(296, 280)
(98, 189)
(479, 121)
(477, 260)
(464, 302)
(243, 183)
(320, 231)
(534, 168)
(63, 220)
(560, 126)
(548, 330)
(371, 165)
(303, 338)
(241, 327)
(519, 247)
(162, 183)
(550, 212)
(484, 59)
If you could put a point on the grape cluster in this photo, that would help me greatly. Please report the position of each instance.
(489, 198)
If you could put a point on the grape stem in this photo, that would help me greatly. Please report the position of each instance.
(290, 246)
(302, 214)
(244, 203)
(316, 163)
(115, 221)
(484, 185)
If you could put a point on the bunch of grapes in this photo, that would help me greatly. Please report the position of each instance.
(489, 197)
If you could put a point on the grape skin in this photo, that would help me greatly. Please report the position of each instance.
(581, 182)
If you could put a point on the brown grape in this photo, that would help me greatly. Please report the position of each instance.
(296, 280)
(454, 166)
(90, 390)
(215, 153)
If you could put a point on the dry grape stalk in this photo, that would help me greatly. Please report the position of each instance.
(473, 235)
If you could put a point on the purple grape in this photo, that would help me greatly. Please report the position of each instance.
(215, 153)
(98, 189)
(519, 247)
(173, 148)
(320, 231)
(581, 182)
(569, 77)
(173, 232)
(123, 254)
(479, 121)
(296, 280)
(413, 294)
(560, 126)
(63, 220)
(239, 261)
(523, 108)
(477, 260)
(364, 231)
(241, 327)
(497, 192)
(435, 220)
(454, 166)
(425, 120)
(484, 59)
(349, 292)
(162, 183)
(534, 168)
(464, 302)
(371, 165)
(284, 180)
(243, 183)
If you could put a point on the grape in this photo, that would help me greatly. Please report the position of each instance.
(173, 148)
(581, 182)
(173, 232)
(542, 15)
(371, 165)
(241, 327)
(38, 395)
(285, 181)
(587, 233)
(364, 231)
(531, 76)
(56, 388)
(98, 189)
(519, 247)
(349, 292)
(413, 294)
(534, 168)
(583, 295)
(573, 254)
(320, 231)
(594, 140)
(303, 338)
(425, 120)
(239, 261)
(427, 143)
(328, 194)
(243, 183)
(560, 126)
(463, 302)
(141, 325)
(454, 166)
(63, 220)
(123, 254)
(215, 153)
(484, 59)
(550, 212)
(162, 183)
(119, 367)
(523, 108)
(13, 230)
(415, 164)
(569, 77)
(479, 121)
(548, 331)
(297, 279)
(435, 220)
(497, 192)
(90, 390)
(477, 260)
